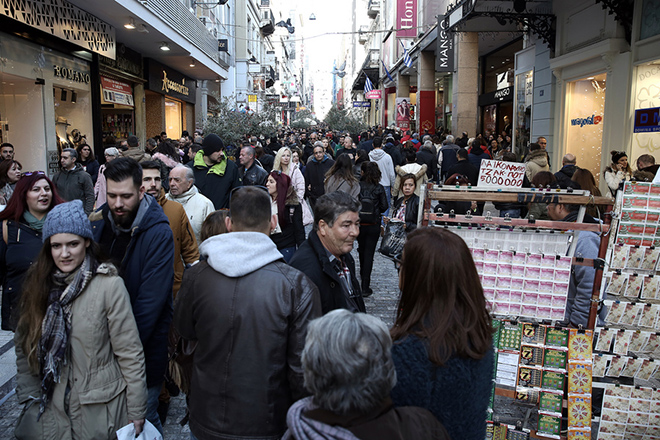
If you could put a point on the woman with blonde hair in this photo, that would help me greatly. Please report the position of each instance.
(283, 163)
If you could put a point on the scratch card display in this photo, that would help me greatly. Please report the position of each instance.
(579, 378)
(549, 425)
(629, 413)
(639, 215)
(518, 241)
(579, 411)
(526, 285)
(579, 345)
(551, 402)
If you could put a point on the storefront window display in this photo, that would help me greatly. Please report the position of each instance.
(523, 117)
(584, 133)
(45, 102)
(647, 96)
(173, 118)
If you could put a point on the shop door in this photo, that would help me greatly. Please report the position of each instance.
(584, 133)
(22, 119)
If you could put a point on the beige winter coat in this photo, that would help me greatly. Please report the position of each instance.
(537, 161)
(104, 371)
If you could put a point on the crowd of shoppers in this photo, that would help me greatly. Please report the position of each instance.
(184, 245)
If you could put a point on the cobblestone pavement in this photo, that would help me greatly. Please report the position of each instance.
(382, 304)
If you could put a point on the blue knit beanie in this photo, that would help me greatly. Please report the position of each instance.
(67, 218)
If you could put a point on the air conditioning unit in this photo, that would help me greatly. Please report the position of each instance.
(374, 8)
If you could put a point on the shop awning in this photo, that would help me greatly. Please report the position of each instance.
(371, 68)
(503, 16)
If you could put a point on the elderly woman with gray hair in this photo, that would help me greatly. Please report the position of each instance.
(348, 368)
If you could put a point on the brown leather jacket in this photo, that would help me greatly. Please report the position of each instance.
(249, 311)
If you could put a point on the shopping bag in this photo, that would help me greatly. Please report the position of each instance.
(149, 432)
(392, 242)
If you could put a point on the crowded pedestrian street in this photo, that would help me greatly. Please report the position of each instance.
(381, 304)
(345, 220)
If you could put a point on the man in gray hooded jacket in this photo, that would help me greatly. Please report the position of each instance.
(248, 311)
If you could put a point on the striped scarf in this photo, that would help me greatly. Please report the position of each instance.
(56, 326)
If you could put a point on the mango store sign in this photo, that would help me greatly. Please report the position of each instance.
(499, 174)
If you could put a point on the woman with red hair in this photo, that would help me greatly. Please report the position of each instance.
(22, 221)
(289, 233)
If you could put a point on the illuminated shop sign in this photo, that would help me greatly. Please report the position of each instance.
(71, 74)
(590, 120)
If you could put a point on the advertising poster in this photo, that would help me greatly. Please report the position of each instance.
(402, 113)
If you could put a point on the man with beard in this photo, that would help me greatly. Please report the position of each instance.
(134, 232)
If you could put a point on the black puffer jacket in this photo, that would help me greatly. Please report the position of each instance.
(249, 314)
(412, 211)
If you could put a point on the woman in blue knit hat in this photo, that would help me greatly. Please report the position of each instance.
(80, 364)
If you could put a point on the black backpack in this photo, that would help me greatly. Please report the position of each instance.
(368, 211)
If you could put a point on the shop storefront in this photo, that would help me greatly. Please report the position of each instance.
(45, 101)
(120, 79)
(585, 111)
(170, 100)
(497, 88)
(496, 110)
(646, 130)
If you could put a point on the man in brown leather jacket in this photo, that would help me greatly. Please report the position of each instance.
(249, 311)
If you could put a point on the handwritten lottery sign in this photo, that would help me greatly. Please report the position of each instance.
(499, 174)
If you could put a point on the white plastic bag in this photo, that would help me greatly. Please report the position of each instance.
(149, 432)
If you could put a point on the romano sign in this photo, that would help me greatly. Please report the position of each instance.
(167, 81)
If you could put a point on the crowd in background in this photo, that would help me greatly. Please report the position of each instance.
(187, 265)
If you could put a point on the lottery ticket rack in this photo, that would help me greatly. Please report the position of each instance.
(525, 271)
(626, 348)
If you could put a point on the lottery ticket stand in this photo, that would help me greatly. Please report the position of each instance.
(525, 269)
(627, 344)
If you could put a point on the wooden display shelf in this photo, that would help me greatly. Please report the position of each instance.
(469, 195)
(516, 222)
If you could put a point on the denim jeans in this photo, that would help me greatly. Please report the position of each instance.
(367, 241)
(388, 194)
(152, 406)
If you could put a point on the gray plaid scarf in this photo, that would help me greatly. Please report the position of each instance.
(56, 326)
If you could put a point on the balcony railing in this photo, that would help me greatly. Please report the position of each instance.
(185, 23)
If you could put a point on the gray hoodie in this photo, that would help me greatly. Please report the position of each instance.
(237, 254)
(385, 165)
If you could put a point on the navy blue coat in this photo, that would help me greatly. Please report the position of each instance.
(148, 273)
(16, 256)
(457, 393)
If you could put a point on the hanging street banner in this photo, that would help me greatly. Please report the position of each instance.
(374, 94)
(499, 174)
(406, 19)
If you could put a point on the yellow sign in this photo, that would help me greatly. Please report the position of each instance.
(252, 98)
